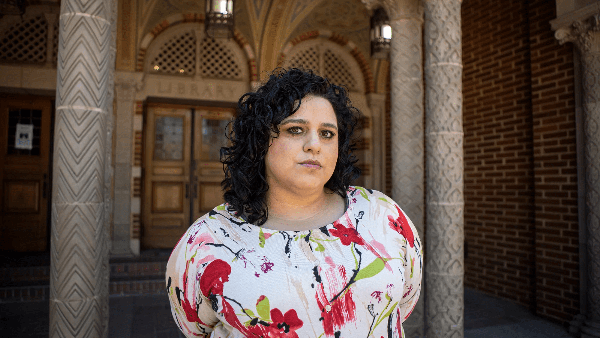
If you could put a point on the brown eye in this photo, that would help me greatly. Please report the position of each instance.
(294, 130)
(327, 134)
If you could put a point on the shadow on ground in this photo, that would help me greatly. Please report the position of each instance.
(149, 316)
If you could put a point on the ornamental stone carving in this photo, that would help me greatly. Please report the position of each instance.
(79, 239)
(444, 142)
(408, 148)
(583, 29)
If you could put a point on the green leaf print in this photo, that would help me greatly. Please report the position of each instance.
(263, 308)
(387, 314)
(261, 239)
(249, 312)
(372, 269)
(383, 199)
(363, 193)
(320, 248)
(221, 207)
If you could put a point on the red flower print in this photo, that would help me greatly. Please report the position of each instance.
(337, 312)
(190, 312)
(401, 226)
(190, 309)
(284, 326)
(346, 235)
(213, 278)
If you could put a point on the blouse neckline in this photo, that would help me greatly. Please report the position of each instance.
(346, 215)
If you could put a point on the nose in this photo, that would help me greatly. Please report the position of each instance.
(312, 143)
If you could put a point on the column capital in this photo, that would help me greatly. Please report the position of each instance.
(578, 27)
(398, 9)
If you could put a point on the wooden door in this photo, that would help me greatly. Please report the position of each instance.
(167, 157)
(209, 137)
(24, 173)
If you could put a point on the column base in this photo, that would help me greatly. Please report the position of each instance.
(590, 329)
(576, 324)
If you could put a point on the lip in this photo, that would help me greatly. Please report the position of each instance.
(313, 164)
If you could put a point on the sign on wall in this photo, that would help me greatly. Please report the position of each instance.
(24, 136)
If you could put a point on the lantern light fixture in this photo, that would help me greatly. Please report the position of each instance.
(218, 22)
(381, 34)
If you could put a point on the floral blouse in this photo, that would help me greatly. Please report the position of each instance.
(359, 276)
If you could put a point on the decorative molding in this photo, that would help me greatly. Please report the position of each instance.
(580, 32)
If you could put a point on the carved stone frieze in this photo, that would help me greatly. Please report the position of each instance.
(444, 144)
(79, 239)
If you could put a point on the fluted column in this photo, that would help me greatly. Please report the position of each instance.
(79, 237)
(584, 31)
(444, 141)
(407, 145)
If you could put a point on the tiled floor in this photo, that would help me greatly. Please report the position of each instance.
(150, 317)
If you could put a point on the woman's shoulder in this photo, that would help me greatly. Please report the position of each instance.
(373, 201)
(216, 226)
(363, 195)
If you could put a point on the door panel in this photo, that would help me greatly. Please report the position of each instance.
(24, 171)
(211, 125)
(182, 179)
(167, 163)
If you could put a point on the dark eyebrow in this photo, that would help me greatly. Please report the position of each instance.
(302, 121)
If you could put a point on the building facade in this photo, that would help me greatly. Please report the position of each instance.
(481, 124)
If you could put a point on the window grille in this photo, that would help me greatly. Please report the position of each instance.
(325, 62)
(55, 43)
(218, 61)
(25, 41)
(336, 70)
(307, 59)
(177, 55)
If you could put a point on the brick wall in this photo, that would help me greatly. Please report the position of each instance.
(521, 223)
(499, 188)
(555, 168)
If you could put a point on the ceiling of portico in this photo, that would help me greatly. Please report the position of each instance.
(269, 24)
(348, 18)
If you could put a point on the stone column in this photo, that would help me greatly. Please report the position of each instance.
(377, 106)
(444, 142)
(79, 238)
(583, 29)
(407, 145)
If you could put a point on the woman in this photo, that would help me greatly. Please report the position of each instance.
(295, 251)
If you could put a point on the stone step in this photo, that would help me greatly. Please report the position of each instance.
(128, 276)
(116, 288)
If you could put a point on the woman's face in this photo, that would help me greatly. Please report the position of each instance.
(305, 153)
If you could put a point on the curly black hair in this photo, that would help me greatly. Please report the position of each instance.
(260, 112)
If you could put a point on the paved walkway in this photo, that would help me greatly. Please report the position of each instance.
(150, 317)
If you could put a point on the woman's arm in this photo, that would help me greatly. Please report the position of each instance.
(191, 310)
